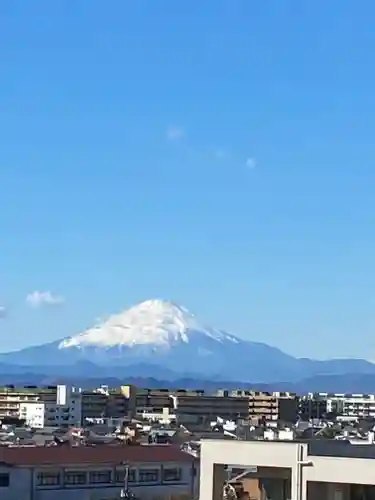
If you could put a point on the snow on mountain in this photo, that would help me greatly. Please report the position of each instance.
(158, 338)
(153, 322)
(168, 335)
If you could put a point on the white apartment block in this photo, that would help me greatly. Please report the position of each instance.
(352, 405)
(33, 414)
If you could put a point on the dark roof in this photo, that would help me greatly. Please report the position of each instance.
(77, 455)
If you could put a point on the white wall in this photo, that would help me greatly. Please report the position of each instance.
(33, 413)
(341, 470)
(247, 453)
(304, 467)
(19, 486)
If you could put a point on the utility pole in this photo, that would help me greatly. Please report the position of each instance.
(125, 493)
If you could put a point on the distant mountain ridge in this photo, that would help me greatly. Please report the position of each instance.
(163, 340)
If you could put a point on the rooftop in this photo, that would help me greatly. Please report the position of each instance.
(318, 447)
(85, 455)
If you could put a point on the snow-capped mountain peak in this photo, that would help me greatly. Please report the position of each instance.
(153, 322)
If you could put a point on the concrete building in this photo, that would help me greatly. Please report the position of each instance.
(33, 414)
(61, 404)
(63, 408)
(313, 406)
(352, 405)
(269, 406)
(105, 403)
(69, 406)
(202, 409)
(153, 403)
(11, 397)
(190, 407)
(95, 473)
(318, 470)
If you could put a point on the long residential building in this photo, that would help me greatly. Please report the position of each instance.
(66, 406)
(98, 473)
(269, 406)
(191, 407)
(351, 406)
(56, 405)
(106, 403)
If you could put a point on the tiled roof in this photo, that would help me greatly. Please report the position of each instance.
(78, 455)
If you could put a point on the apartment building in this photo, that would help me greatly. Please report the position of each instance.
(75, 473)
(189, 407)
(317, 470)
(33, 414)
(57, 405)
(269, 406)
(201, 409)
(352, 405)
(11, 397)
(355, 406)
(63, 407)
(313, 406)
(105, 403)
(153, 403)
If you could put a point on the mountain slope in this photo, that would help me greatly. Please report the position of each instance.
(159, 336)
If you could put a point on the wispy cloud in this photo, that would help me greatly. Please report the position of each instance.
(251, 163)
(175, 133)
(221, 154)
(3, 311)
(40, 299)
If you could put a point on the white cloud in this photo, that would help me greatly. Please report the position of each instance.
(40, 299)
(251, 163)
(175, 133)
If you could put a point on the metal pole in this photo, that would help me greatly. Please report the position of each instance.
(125, 488)
(126, 479)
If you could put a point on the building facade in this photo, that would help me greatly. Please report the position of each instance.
(60, 405)
(63, 408)
(318, 470)
(105, 403)
(12, 397)
(269, 406)
(352, 405)
(85, 473)
(33, 414)
(189, 407)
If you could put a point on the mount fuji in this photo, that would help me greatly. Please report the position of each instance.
(164, 340)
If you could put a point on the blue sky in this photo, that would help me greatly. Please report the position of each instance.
(125, 133)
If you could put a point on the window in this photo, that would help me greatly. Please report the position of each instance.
(100, 476)
(174, 474)
(120, 476)
(148, 475)
(75, 478)
(4, 480)
(48, 479)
